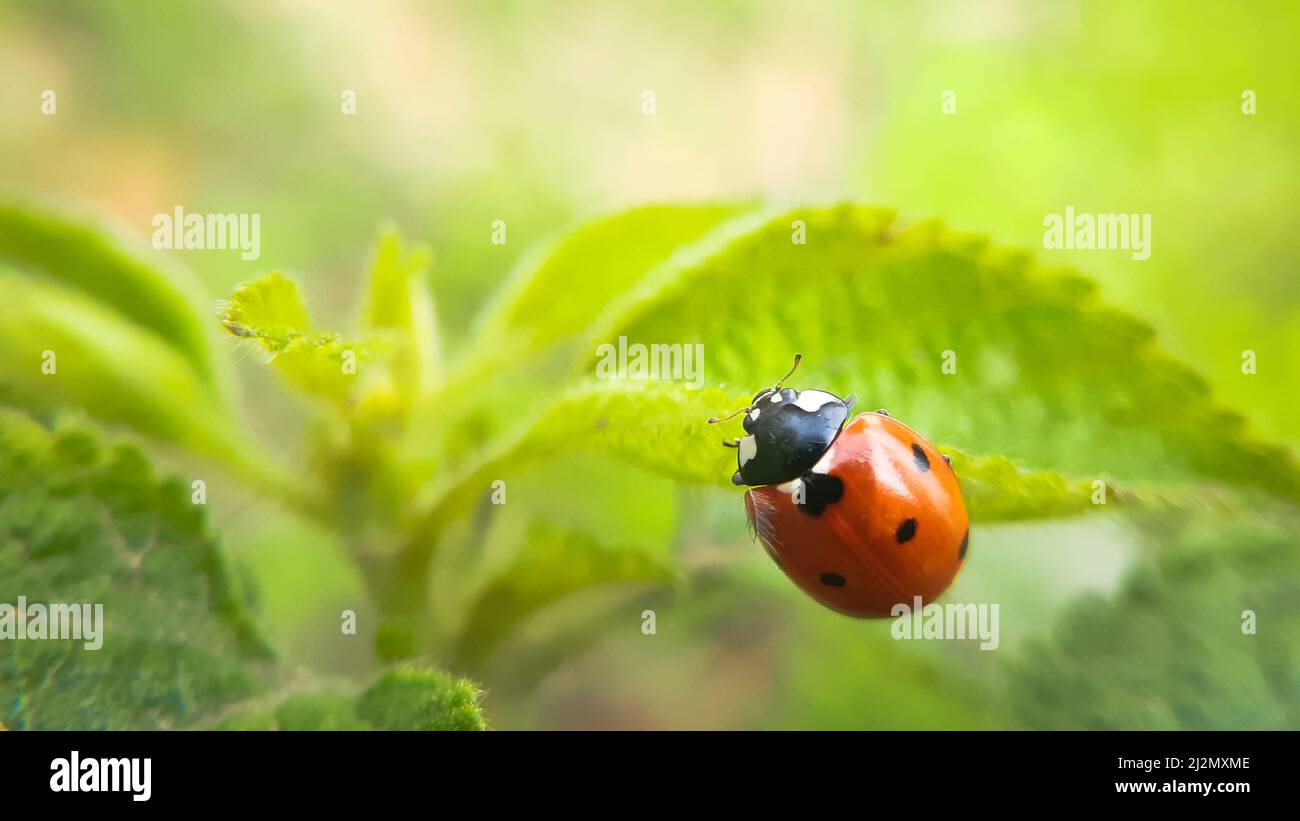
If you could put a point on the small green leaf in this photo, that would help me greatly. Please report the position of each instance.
(83, 522)
(270, 313)
(403, 698)
(269, 310)
(400, 300)
(588, 268)
(410, 698)
(153, 293)
(550, 565)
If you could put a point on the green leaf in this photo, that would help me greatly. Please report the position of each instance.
(410, 698)
(319, 711)
(270, 313)
(401, 306)
(564, 286)
(1046, 374)
(551, 564)
(400, 300)
(517, 587)
(997, 490)
(63, 349)
(1168, 651)
(527, 339)
(82, 521)
(403, 698)
(156, 295)
(663, 428)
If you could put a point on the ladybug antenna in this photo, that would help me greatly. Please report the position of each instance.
(713, 420)
(781, 381)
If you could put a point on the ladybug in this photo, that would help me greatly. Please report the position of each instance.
(863, 515)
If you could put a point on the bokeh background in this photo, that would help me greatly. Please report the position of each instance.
(532, 113)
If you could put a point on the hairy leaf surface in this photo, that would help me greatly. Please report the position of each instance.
(271, 313)
(1040, 370)
(83, 521)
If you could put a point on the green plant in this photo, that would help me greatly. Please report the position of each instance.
(406, 446)
(82, 521)
(1169, 649)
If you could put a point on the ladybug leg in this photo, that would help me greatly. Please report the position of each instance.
(849, 402)
(733, 444)
(736, 480)
(947, 458)
(882, 411)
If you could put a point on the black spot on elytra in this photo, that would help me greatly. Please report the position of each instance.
(906, 531)
(965, 542)
(832, 580)
(922, 461)
(820, 490)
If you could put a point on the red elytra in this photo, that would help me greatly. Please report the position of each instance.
(891, 528)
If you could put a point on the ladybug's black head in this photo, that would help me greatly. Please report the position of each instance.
(787, 432)
(766, 396)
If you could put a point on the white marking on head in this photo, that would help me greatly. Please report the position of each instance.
(748, 449)
(754, 414)
(776, 398)
(812, 401)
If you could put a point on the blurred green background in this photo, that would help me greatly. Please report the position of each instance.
(531, 113)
